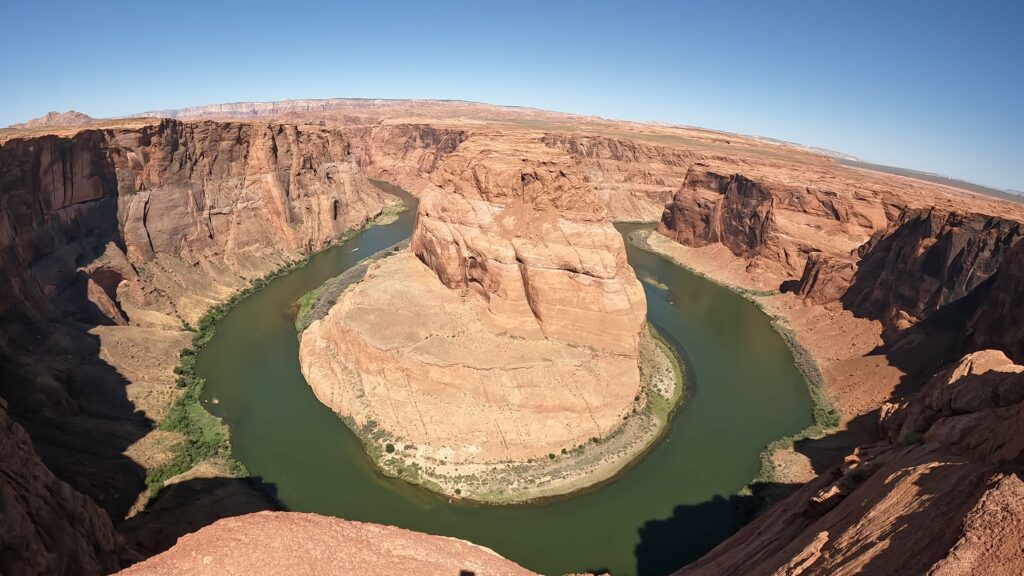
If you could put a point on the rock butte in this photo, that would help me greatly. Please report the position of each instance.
(515, 309)
(116, 232)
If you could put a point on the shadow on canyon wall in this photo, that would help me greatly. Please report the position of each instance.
(55, 288)
(693, 529)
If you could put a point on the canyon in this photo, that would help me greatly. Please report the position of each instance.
(119, 235)
(514, 279)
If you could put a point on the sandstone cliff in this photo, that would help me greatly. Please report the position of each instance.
(995, 322)
(775, 215)
(404, 154)
(926, 260)
(512, 222)
(940, 495)
(112, 237)
(632, 178)
(46, 527)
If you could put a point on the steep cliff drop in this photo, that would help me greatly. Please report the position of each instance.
(114, 238)
(929, 482)
(493, 357)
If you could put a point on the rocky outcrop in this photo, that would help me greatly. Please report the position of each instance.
(46, 527)
(273, 543)
(936, 497)
(925, 261)
(526, 234)
(825, 278)
(996, 322)
(404, 154)
(516, 307)
(632, 178)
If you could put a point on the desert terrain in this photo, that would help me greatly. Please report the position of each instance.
(119, 237)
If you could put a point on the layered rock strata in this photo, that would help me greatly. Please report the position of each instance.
(939, 495)
(515, 309)
(112, 238)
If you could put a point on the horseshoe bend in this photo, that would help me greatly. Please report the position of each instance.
(417, 336)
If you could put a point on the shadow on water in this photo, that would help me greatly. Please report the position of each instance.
(185, 507)
(669, 544)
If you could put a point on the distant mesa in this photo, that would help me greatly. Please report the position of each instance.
(58, 119)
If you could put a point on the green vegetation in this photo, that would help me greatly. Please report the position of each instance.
(307, 301)
(661, 406)
(204, 436)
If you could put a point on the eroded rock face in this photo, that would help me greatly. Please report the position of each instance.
(925, 261)
(525, 233)
(633, 179)
(933, 499)
(46, 527)
(274, 543)
(772, 223)
(515, 308)
(404, 154)
(201, 206)
(996, 322)
(137, 229)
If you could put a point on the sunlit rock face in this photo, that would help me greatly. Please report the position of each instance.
(511, 221)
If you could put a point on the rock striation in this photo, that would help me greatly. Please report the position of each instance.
(995, 320)
(925, 261)
(111, 239)
(528, 236)
(935, 496)
(515, 306)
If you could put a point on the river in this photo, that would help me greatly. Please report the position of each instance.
(743, 391)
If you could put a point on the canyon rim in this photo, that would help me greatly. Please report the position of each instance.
(513, 306)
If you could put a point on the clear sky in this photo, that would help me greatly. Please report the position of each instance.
(933, 85)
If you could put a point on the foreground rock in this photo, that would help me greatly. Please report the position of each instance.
(939, 495)
(274, 543)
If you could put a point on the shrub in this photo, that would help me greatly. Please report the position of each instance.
(389, 448)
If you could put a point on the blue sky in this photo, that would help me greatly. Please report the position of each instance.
(930, 85)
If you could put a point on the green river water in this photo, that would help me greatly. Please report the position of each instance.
(743, 391)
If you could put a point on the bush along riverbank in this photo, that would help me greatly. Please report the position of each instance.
(824, 416)
(204, 437)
